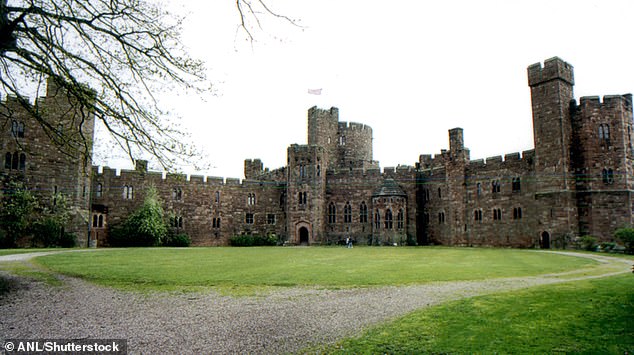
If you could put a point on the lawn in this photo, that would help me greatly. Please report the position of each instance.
(173, 268)
(589, 316)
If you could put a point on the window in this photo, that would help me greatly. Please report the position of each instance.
(495, 186)
(332, 213)
(516, 184)
(479, 189)
(439, 193)
(400, 217)
(347, 213)
(176, 221)
(215, 222)
(17, 129)
(318, 170)
(477, 215)
(441, 217)
(302, 195)
(377, 219)
(15, 161)
(177, 194)
(497, 214)
(363, 213)
(251, 199)
(248, 218)
(270, 218)
(517, 213)
(98, 190)
(342, 140)
(7, 161)
(607, 175)
(217, 197)
(604, 133)
(388, 219)
(302, 171)
(128, 192)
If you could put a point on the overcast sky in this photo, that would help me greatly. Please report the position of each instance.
(411, 70)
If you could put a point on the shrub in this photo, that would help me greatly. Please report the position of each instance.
(588, 242)
(247, 240)
(177, 240)
(607, 246)
(626, 236)
(144, 227)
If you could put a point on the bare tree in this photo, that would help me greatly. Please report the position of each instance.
(126, 51)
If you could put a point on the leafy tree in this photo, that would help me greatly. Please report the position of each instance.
(144, 227)
(48, 229)
(128, 51)
(626, 236)
(16, 214)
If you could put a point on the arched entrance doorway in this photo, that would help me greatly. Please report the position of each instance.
(545, 240)
(303, 236)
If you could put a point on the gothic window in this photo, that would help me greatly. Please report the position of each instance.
(607, 176)
(7, 161)
(99, 190)
(516, 184)
(128, 192)
(347, 213)
(332, 213)
(477, 215)
(22, 161)
(249, 218)
(94, 221)
(17, 129)
(517, 213)
(270, 218)
(15, 162)
(604, 133)
(479, 189)
(495, 186)
(400, 219)
(363, 213)
(441, 217)
(377, 220)
(497, 214)
(251, 199)
(303, 198)
(388, 219)
(177, 194)
(100, 221)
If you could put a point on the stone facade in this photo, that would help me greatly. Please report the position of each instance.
(577, 180)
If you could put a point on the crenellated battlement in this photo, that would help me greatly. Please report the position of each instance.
(553, 68)
(608, 102)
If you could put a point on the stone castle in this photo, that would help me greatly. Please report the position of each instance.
(577, 180)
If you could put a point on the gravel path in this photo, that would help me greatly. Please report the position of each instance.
(286, 320)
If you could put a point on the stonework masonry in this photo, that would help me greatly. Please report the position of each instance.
(577, 180)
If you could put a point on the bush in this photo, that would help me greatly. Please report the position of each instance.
(607, 246)
(67, 240)
(177, 240)
(588, 242)
(247, 240)
(144, 227)
(626, 236)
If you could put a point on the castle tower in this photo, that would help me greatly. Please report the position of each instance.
(551, 95)
(305, 191)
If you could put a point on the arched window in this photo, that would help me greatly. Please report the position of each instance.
(100, 224)
(217, 197)
(99, 190)
(177, 194)
(303, 198)
(400, 218)
(363, 213)
(441, 217)
(477, 215)
(251, 199)
(347, 213)
(94, 220)
(517, 213)
(332, 213)
(377, 219)
(7, 161)
(128, 192)
(15, 161)
(478, 189)
(388, 219)
(497, 214)
(22, 161)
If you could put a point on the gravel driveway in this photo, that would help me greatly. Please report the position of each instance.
(285, 320)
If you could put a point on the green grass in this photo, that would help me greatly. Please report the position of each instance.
(245, 268)
(589, 316)
(28, 270)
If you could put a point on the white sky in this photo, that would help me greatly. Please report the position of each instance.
(409, 69)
